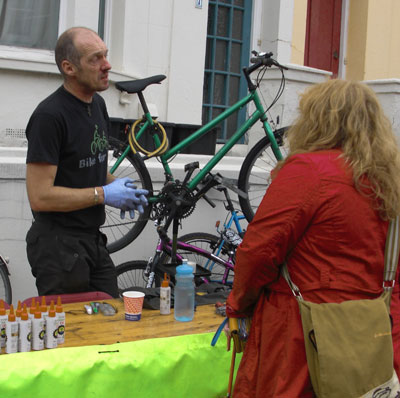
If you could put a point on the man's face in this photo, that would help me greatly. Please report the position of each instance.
(92, 71)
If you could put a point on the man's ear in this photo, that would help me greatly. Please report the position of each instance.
(69, 68)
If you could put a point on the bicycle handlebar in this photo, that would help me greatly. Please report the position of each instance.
(266, 60)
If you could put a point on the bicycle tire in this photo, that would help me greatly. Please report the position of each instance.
(5, 285)
(122, 232)
(254, 175)
(207, 242)
(131, 274)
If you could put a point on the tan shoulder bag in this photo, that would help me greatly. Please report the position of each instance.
(349, 345)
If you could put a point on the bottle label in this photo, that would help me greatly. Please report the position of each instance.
(52, 325)
(11, 337)
(2, 332)
(60, 329)
(38, 333)
(25, 337)
(165, 301)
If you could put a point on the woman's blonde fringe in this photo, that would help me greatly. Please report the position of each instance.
(347, 115)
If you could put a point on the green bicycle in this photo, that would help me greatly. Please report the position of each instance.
(177, 199)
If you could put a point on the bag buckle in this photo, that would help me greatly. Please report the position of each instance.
(389, 284)
(297, 294)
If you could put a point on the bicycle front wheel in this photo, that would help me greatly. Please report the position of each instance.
(211, 244)
(5, 285)
(131, 274)
(122, 232)
(255, 173)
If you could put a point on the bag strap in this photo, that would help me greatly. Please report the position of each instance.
(392, 248)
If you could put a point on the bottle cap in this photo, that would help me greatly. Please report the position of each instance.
(11, 315)
(32, 308)
(18, 311)
(165, 282)
(43, 307)
(184, 269)
(52, 311)
(2, 308)
(59, 307)
(24, 316)
(38, 314)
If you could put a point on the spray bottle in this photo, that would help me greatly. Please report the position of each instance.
(51, 328)
(11, 332)
(60, 316)
(165, 296)
(25, 331)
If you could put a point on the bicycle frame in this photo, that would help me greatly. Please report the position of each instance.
(258, 114)
(167, 248)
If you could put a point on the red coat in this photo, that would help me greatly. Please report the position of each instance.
(336, 240)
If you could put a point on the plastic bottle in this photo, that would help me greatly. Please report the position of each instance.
(184, 293)
(165, 296)
(3, 321)
(60, 316)
(38, 330)
(51, 328)
(25, 332)
(11, 332)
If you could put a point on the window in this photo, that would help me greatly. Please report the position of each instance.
(27, 23)
(227, 52)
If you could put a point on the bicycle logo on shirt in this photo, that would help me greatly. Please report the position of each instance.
(98, 143)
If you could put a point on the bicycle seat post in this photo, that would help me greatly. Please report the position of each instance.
(143, 103)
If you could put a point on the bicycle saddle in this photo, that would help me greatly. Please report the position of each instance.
(135, 86)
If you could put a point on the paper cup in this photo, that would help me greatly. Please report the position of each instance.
(133, 302)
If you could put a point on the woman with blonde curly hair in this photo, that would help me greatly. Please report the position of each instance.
(326, 212)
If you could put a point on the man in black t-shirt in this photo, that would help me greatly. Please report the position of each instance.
(66, 176)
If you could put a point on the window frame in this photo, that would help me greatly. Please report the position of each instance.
(210, 73)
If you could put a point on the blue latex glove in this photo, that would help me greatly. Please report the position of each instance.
(131, 213)
(124, 195)
(142, 198)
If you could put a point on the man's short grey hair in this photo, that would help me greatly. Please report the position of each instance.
(65, 48)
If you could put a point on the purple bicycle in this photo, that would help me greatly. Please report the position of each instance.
(214, 255)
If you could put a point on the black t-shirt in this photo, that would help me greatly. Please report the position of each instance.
(73, 135)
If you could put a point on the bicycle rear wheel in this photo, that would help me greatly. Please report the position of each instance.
(209, 243)
(255, 173)
(122, 232)
(5, 285)
(131, 274)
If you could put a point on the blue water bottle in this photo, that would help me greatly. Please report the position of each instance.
(184, 293)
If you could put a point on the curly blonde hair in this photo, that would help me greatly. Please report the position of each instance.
(347, 115)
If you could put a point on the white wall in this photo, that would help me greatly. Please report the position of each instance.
(144, 37)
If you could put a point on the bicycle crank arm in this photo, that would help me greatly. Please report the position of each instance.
(231, 184)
